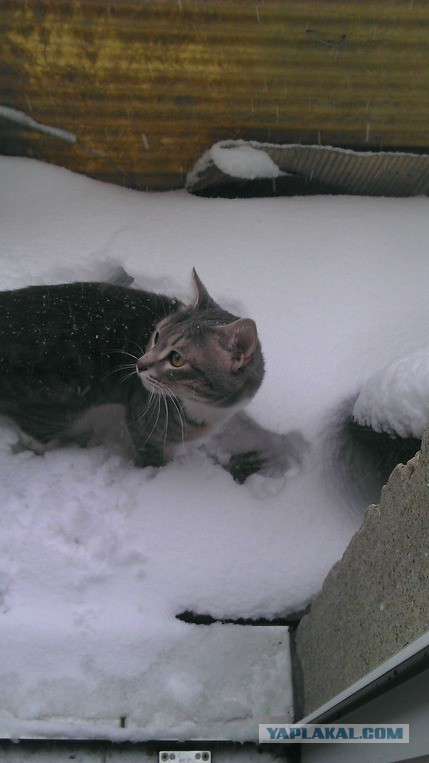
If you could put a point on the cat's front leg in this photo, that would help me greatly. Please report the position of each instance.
(147, 452)
(148, 456)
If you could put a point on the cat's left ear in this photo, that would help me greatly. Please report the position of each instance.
(202, 297)
(240, 339)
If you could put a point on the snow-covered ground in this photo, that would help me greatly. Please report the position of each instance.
(98, 557)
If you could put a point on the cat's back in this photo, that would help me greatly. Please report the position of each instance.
(71, 323)
(71, 307)
(60, 302)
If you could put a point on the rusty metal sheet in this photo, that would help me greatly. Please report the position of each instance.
(146, 85)
(336, 170)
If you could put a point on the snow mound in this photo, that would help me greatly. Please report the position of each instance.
(244, 162)
(396, 398)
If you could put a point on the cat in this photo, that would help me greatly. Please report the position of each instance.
(62, 349)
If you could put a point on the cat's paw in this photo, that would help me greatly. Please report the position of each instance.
(28, 442)
(242, 465)
(395, 399)
(244, 448)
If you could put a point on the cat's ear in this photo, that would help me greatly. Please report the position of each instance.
(240, 339)
(202, 297)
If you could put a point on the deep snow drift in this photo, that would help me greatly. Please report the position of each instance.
(98, 557)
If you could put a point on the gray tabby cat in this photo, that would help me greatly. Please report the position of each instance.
(62, 347)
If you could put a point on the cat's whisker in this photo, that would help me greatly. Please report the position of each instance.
(156, 421)
(124, 379)
(141, 352)
(147, 407)
(179, 408)
(125, 367)
(125, 352)
(154, 412)
(130, 367)
(166, 423)
(164, 388)
(171, 403)
(153, 399)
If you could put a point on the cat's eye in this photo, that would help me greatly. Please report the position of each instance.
(176, 360)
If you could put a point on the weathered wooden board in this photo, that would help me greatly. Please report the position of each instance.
(145, 86)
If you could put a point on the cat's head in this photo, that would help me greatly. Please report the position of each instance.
(204, 354)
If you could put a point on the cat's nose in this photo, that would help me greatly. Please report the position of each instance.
(141, 364)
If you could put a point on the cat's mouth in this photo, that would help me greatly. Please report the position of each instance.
(152, 385)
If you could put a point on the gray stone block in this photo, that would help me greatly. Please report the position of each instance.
(375, 600)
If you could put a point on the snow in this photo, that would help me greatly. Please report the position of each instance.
(244, 161)
(396, 398)
(98, 557)
(14, 115)
(239, 160)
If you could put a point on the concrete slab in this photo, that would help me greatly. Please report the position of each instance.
(375, 600)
